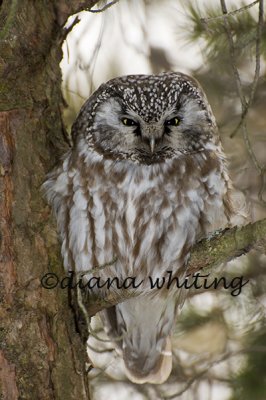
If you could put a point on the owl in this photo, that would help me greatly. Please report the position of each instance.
(145, 179)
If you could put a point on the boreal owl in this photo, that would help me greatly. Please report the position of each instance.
(145, 179)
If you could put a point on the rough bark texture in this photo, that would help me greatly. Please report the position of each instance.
(41, 356)
(228, 244)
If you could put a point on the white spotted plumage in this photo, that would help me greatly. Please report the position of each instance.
(145, 179)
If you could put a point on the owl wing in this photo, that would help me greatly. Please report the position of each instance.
(56, 190)
(64, 192)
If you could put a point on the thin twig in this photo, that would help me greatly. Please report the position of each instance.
(97, 268)
(95, 53)
(249, 147)
(232, 54)
(84, 310)
(257, 70)
(187, 385)
(90, 330)
(260, 169)
(66, 31)
(258, 48)
(262, 185)
(231, 13)
(104, 7)
(204, 372)
(90, 64)
(66, 89)
(244, 103)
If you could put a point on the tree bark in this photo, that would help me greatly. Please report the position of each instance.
(41, 355)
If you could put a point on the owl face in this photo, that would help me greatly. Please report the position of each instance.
(130, 191)
(148, 119)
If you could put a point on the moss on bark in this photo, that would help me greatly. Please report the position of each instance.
(41, 355)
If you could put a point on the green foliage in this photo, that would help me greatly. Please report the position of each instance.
(251, 381)
(209, 25)
(192, 318)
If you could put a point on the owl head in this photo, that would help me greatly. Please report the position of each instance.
(145, 179)
(146, 118)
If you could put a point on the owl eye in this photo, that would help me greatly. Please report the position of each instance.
(128, 122)
(172, 122)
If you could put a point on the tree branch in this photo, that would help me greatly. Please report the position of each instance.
(108, 5)
(65, 9)
(227, 245)
(221, 247)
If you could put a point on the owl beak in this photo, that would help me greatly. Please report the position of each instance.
(152, 144)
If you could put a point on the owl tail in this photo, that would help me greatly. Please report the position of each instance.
(145, 325)
(157, 373)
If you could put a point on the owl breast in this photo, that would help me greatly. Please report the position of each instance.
(145, 179)
(147, 217)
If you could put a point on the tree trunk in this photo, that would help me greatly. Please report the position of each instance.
(41, 355)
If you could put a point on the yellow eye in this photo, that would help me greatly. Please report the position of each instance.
(172, 122)
(128, 122)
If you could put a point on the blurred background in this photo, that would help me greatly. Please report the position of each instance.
(220, 340)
